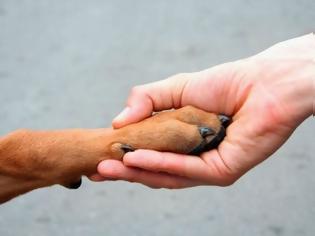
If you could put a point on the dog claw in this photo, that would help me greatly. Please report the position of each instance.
(214, 143)
(126, 148)
(225, 120)
(206, 131)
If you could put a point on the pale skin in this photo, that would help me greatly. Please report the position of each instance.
(268, 95)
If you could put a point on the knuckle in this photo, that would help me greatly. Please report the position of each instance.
(180, 76)
(138, 89)
(131, 178)
(226, 182)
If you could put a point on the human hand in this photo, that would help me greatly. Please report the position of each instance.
(268, 96)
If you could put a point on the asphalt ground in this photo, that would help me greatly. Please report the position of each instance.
(66, 64)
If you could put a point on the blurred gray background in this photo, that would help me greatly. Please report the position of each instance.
(70, 64)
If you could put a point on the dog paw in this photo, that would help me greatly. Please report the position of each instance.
(187, 130)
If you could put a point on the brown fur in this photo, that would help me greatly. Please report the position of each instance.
(33, 159)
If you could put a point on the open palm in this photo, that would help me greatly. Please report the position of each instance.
(268, 96)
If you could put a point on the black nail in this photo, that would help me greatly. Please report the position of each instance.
(206, 131)
(127, 148)
(225, 120)
(216, 140)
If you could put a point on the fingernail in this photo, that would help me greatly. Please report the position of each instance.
(122, 115)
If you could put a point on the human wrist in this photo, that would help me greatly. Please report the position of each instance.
(295, 63)
(304, 91)
(303, 49)
(310, 42)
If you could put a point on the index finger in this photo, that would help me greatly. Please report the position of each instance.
(210, 170)
(156, 96)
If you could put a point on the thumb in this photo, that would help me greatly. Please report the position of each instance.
(156, 96)
(210, 90)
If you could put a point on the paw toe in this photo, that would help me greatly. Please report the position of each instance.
(205, 131)
(127, 148)
(225, 120)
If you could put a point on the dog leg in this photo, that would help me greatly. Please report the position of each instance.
(33, 159)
